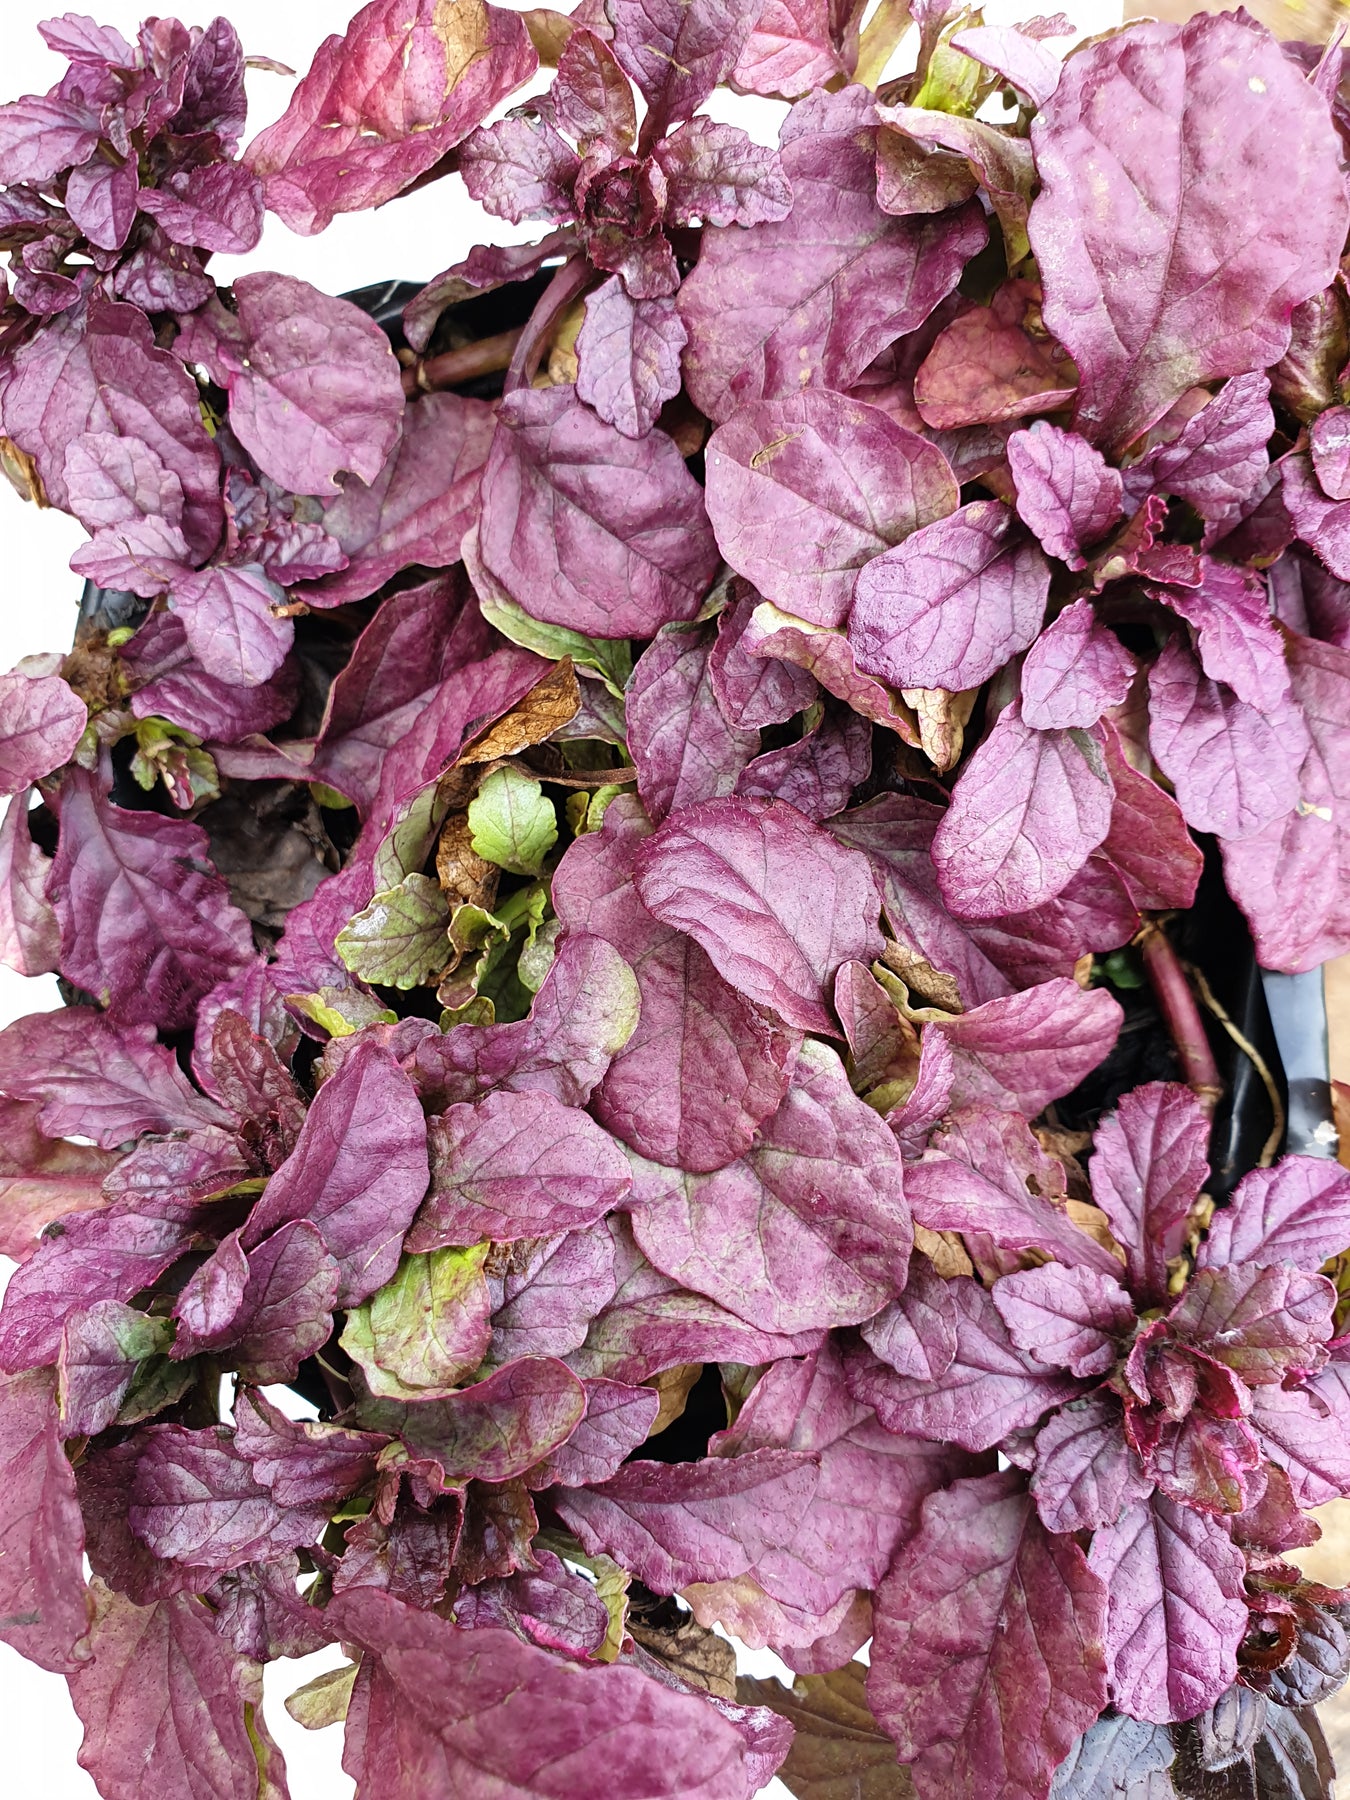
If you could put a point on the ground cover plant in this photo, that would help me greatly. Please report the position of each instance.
(597, 847)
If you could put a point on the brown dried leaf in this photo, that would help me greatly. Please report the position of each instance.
(942, 717)
(944, 1250)
(465, 876)
(549, 32)
(462, 26)
(1093, 1221)
(674, 1385)
(549, 705)
(687, 1648)
(839, 1752)
(921, 978)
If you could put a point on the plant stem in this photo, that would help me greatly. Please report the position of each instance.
(1181, 1015)
(880, 38)
(431, 374)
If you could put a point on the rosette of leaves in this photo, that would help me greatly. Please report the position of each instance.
(586, 842)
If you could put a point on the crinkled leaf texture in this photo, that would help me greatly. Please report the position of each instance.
(1145, 284)
(988, 1660)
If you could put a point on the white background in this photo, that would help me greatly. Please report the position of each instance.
(411, 239)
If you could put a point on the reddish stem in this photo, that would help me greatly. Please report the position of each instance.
(1181, 1015)
(429, 375)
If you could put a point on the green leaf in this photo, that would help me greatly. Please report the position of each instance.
(586, 812)
(428, 1329)
(324, 1700)
(399, 940)
(342, 1011)
(511, 822)
(609, 658)
(1121, 968)
(536, 956)
(478, 1010)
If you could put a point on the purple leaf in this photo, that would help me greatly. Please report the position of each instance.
(285, 1305)
(871, 1487)
(950, 605)
(43, 721)
(792, 904)
(1074, 672)
(1290, 878)
(1176, 1609)
(382, 104)
(519, 169)
(494, 1430)
(439, 1712)
(1148, 844)
(103, 200)
(1012, 52)
(96, 1079)
(629, 356)
(819, 772)
(359, 1171)
(755, 687)
(677, 53)
(895, 833)
(618, 1419)
(1085, 1473)
(789, 51)
(92, 1256)
(717, 175)
(1001, 162)
(43, 1608)
(547, 1606)
(986, 367)
(985, 1175)
(803, 491)
(303, 1463)
(1330, 447)
(417, 509)
(582, 1016)
(808, 1229)
(314, 387)
(41, 136)
(100, 1351)
(1269, 1325)
(113, 480)
(417, 641)
(1029, 809)
(168, 1707)
(107, 376)
(676, 1523)
(916, 1335)
(144, 925)
(486, 268)
(684, 746)
(1133, 235)
(41, 1179)
(1149, 1165)
(811, 300)
(988, 1660)
(587, 528)
(1067, 493)
(194, 1500)
(592, 100)
(1236, 639)
(652, 1323)
(1297, 1212)
(549, 1299)
(733, 1065)
(30, 938)
(1322, 524)
(513, 1166)
(1235, 769)
(231, 625)
(168, 682)
(990, 1388)
(1024, 1050)
(218, 206)
(1303, 1430)
(828, 656)
(1218, 459)
(1069, 1318)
